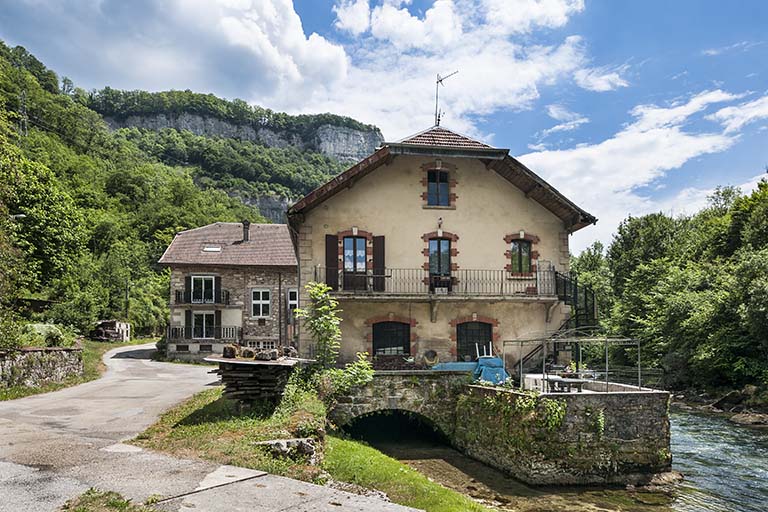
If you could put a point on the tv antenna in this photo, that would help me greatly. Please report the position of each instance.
(438, 83)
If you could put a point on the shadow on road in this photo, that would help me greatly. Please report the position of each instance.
(137, 353)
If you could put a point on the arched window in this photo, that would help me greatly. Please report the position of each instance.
(520, 254)
(391, 338)
(471, 336)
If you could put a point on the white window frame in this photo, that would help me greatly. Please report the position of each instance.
(291, 304)
(261, 303)
(204, 314)
(213, 289)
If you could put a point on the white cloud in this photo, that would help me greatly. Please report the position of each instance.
(741, 46)
(522, 16)
(601, 79)
(735, 117)
(569, 120)
(354, 16)
(441, 25)
(607, 177)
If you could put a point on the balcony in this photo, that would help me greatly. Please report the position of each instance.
(419, 283)
(223, 333)
(220, 297)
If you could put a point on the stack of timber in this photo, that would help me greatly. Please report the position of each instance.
(250, 381)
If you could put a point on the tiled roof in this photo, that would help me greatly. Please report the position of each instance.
(440, 137)
(222, 243)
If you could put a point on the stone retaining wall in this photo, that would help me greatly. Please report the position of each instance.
(36, 366)
(562, 439)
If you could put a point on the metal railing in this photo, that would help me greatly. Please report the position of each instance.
(218, 297)
(213, 332)
(463, 282)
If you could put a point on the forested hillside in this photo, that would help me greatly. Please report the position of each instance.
(85, 212)
(694, 289)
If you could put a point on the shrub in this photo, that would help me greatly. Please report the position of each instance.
(45, 335)
(336, 381)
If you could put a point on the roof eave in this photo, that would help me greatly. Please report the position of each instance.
(397, 148)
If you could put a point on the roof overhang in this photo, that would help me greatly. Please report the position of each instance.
(397, 148)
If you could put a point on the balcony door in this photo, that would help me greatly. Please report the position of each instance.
(204, 325)
(355, 277)
(439, 265)
(203, 289)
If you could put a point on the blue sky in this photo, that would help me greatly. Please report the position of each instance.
(626, 107)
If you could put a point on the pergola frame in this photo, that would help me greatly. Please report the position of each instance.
(577, 336)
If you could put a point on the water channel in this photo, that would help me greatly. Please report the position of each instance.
(725, 468)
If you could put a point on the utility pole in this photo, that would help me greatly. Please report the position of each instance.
(23, 119)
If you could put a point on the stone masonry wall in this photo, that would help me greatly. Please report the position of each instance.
(238, 281)
(33, 367)
(563, 439)
(430, 394)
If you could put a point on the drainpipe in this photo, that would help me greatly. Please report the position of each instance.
(281, 306)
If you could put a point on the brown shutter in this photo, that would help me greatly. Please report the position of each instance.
(217, 324)
(188, 324)
(218, 293)
(332, 261)
(379, 267)
(187, 297)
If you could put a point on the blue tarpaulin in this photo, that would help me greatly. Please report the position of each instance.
(487, 368)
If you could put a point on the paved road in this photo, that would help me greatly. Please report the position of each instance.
(57, 445)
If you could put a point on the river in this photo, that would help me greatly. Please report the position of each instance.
(725, 467)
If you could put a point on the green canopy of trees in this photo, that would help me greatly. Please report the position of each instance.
(693, 289)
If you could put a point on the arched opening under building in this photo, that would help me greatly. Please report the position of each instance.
(392, 431)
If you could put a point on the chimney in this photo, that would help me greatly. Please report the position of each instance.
(246, 231)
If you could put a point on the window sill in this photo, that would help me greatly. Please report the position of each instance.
(431, 207)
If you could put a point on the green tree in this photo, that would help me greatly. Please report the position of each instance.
(321, 319)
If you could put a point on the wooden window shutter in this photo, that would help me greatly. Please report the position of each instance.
(188, 324)
(379, 266)
(332, 261)
(218, 293)
(187, 289)
(217, 323)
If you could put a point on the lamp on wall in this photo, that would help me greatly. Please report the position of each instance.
(439, 226)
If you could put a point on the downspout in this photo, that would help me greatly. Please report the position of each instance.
(281, 306)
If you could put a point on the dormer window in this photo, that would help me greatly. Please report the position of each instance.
(437, 188)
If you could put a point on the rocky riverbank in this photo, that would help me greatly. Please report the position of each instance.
(747, 406)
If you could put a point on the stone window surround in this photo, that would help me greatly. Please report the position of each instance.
(368, 246)
(390, 317)
(438, 165)
(474, 317)
(528, 237)
(440, 233)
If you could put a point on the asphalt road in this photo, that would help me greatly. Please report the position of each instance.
(57, 445)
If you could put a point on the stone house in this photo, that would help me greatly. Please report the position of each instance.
(230, 283)
(438, 247)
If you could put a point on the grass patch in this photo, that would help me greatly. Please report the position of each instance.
(357, 463)
(93, 368)
(94, 500)
(209, 426)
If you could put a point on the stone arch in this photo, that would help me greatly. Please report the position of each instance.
(419, 416)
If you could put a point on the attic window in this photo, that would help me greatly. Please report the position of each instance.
(211, 248)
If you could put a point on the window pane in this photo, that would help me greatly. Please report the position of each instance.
(349, 253)
(443, 194)
(197, 288)
(515, 250)
(208, 287)
(360, 256)
(434, 257)
(265, 295)
(265, 309)
(525, 257)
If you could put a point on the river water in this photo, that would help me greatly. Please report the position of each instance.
(725, 467)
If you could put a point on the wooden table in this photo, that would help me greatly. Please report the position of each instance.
(563, 384)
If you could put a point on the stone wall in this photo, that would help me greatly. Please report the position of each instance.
(430, 394)
(563, 439)
(31, 367)
(238, 281)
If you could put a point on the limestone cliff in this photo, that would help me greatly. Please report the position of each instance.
(340, 142)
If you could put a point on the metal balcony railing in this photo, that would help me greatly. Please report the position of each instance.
(213, 332)
(217, 297)
(462, 282)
